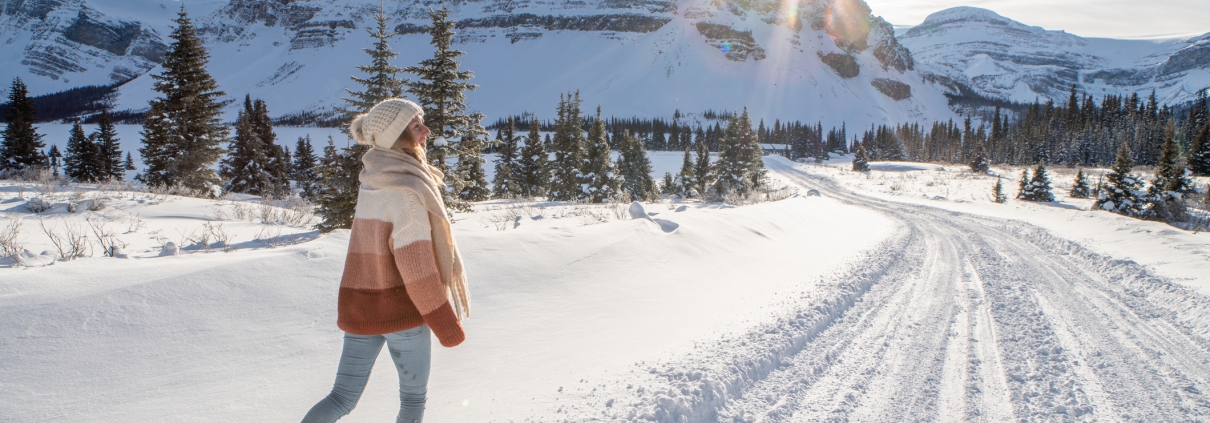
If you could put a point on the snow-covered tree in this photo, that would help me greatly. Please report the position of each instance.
(470, 182)
(506, 184)
(1170, 179)
(277, 163)
(1199, 151)
(335, 201)
(1038, 188)
(55, 159)
(732, 159)
(1122, 193)
(80, 163)
(979, 160)
(183, 132)
(861, 163)
(1023, 184)
(440, 88)
(1080, 188)
(683, 183)
(246, 167)
(998, 193)
(303, 168)
(635, 168)
(568, 144)
(22, 141)
(601, 182)
(533, 171)
(703, 175)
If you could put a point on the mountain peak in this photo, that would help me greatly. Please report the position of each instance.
(965, 13)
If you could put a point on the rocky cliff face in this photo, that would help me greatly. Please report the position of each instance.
(1000, 58)
(69, 42)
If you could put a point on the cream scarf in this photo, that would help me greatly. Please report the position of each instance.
(390, 169)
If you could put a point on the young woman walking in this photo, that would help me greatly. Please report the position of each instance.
(403, 276)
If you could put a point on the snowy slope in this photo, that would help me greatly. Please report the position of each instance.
(633, 58)
(1002, 58)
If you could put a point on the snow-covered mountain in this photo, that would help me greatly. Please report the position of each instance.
(1000, 58)
(826, 60)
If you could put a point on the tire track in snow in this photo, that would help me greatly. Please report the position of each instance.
(955, 318)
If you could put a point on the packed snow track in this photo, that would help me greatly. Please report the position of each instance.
(956, 318)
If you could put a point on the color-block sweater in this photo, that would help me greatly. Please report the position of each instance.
(390, 280)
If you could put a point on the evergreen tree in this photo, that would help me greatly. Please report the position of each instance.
(129, 165)
(335, 194)
(751, 154)
(506, 184)
(730, 168)
(998, 193)
(1023, 185)
(109, 153)
(702, 176)
(598, 170)
(471, 183)
(568, 144)
(683, 183)
(979, 159)
(277, 158)
(55, 159)
(668, 185)
(1080, 188)
(1123, 193)
(635, 169)
(860, 162)
(80, 164)
(183, 132)
(21, 140)
(246, 168)
(303, 168)
(441, 89)
(1199, 151)
(1039, 186)
(336, 202)
(1170, 174)
(533, 169)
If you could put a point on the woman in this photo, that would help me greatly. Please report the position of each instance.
(403, 275)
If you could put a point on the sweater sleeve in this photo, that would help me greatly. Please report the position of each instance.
(412, 247)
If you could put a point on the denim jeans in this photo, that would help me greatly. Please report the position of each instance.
(410, 349)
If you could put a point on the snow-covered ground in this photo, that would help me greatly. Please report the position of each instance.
(878, 306)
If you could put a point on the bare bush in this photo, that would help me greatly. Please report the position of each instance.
(220, 235)
(72, 243)
(241, 210)
(39, 205)
(298, 213)
(74, 199)
(267, 212)
(108, 240)
(98, 202)
(10, 232)
(270, 235)
(134, 223)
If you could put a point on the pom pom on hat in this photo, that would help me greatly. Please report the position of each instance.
(383, 124)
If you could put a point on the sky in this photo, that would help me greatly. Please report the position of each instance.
(1088, 18)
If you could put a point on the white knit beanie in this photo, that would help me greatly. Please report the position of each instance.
(383, 124)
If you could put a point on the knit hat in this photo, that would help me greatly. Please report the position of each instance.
(383, 124)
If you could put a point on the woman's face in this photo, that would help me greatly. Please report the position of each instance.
(417, 132)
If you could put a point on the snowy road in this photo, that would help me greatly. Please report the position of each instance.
(956, 318)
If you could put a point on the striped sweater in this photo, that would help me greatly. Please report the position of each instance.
(390, 280)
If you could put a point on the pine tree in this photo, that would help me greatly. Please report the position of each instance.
(568, 145)
(505, 184)
(55, 159)
(80, 164)
(1023, 185)
(751, 154)
(979, 159)
(635, 169)
(335, 194)
(668, 186)
(441, 88)
(109, 153)
(730, 167)
(533, 169)
(129, 165)
(998, 193)
(1123, 193)
(336, 203)
(702, 176)
(1080, 188)
(1199, 151)
(277, 158)
(246, 168)
(183, 132)
(1170, 174)
(683, 183)
(21, 140)
(860, 162)
(303, 168)
(471, 183)
(600, 178)
(1038, 188)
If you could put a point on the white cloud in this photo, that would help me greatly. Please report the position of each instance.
(1089, 18)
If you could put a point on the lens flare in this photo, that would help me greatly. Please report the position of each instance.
(725, 47)
(466, 403)
(791, 11)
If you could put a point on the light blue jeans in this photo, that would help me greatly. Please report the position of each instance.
(410, 349)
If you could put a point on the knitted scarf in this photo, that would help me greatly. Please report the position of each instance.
(390, 169)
